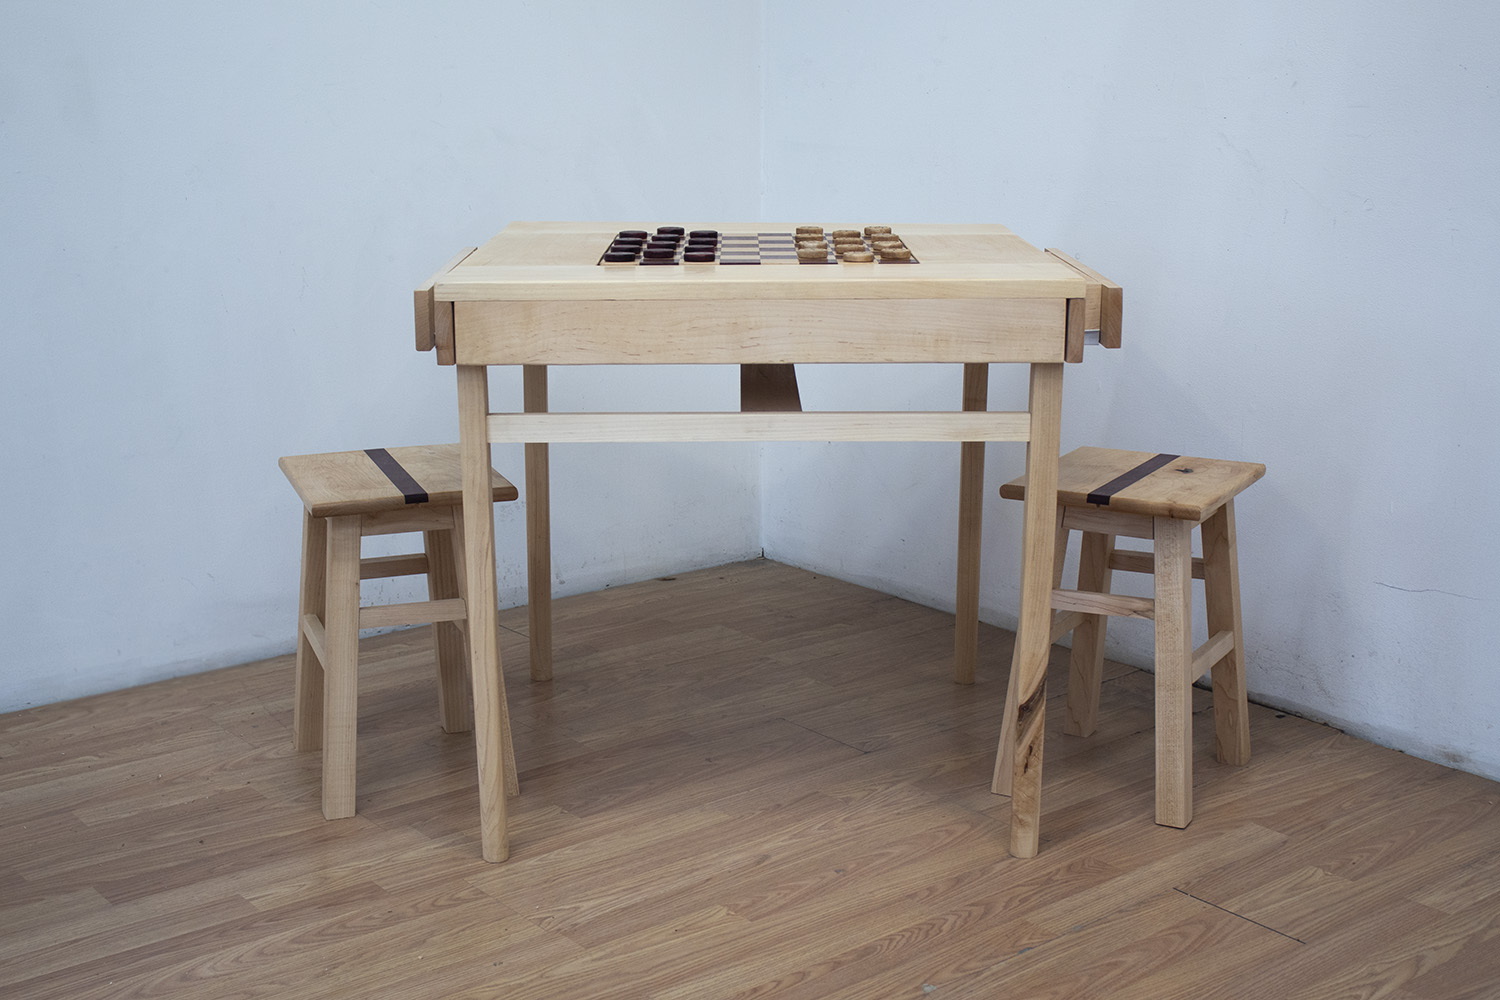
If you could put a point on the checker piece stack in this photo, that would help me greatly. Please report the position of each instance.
(808, 245)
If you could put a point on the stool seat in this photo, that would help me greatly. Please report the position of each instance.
(1175, 486)
(1105, 493)
(346, 496)
(378, 479)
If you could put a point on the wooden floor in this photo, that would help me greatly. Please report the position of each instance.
(749, 781)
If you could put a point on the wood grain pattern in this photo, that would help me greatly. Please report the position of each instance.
(1174, 661)
(976, 389)
(1105, 299)
(751, 782)
(1042, 524)
(540, 261)
(759, 331)
(900, 425)
(349, 482)
(341, 665)
(1187, 488)
(435, 319)
(487, 682)
(1221, 593)
(1086, 661)
(307, 727)
(538, 528)
(444, 552)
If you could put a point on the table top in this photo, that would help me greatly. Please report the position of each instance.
(537, 294)
(550, 261)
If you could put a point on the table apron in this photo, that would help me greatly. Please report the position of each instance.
(904, 425)
(761, 331)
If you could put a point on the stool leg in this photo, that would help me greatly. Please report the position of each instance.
(1086, 664)
(307, 701)
(340, 670)
(1221, 588)
(455, 707)
(507, 743)
(1173, 567)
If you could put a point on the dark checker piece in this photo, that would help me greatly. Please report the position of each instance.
(699, 256)
(633, 234)
(619, 256)
(670, 230)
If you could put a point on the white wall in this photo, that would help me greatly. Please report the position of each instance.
(1299, 200)
(211, 220)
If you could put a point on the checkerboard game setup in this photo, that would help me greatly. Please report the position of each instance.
(549, 295)
(808, 245)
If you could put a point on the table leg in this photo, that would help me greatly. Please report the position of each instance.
(538, 530)
(1034, 630)
(1005, 757)
(970, 522)
(479, 571)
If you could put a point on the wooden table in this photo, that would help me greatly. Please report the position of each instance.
(536, 295)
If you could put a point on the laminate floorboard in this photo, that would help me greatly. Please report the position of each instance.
(750, 781)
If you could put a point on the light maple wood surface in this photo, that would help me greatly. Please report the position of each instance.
(538, 529)
(535, 261)
(751, 782)
(349, 482)
(346, 496)
(1108, 492)
(1187, 488)
(535, 296)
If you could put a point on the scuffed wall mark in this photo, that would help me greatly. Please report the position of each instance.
(1427, 590)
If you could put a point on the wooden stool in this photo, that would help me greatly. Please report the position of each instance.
(347, 495)
(1105, 493)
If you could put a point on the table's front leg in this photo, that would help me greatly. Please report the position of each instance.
(1028, 697)
(538, 530)
(480, 600)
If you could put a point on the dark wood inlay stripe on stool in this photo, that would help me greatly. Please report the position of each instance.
(1102, 494)
(410, 489)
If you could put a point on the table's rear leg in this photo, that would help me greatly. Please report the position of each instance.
(1034, 631)
(538, 530)
(479, 573)
(970, 524)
